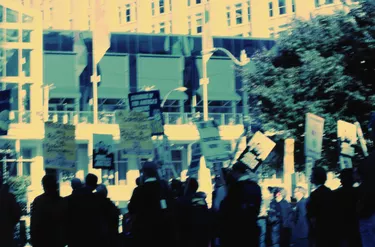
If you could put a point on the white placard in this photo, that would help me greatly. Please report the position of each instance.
(261, 144)
(347, 131)
(213, 148)
(314, 130)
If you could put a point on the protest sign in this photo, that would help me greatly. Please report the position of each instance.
(4, 112)
(59, 146)
(257, 150)
(314, 136)
(149, 103)
(135, 134)
(103, 155)
(213, 148)
(194, 160)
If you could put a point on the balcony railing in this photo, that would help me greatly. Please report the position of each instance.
(170, 118)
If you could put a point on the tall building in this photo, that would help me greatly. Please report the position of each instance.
(246, 18)
(33, 59)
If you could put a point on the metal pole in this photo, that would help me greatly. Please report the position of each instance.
(94, 78)
(204, 83)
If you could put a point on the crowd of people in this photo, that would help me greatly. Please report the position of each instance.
(176, 214)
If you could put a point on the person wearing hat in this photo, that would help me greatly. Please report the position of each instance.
(240, 209)
(150, 204)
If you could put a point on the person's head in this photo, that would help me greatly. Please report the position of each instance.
(239, 169)
(299, 193)
(91, 181)
(101, 145)
(318, 176)
(49, 183)
(101, 190)
(76, 183)
(278, 194)
(138, 181)
(150, 170)
(192, 186)
(347, 178)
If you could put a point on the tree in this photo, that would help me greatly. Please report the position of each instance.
(326, 66)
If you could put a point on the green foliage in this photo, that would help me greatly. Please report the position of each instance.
(19, 187)
(325, 66)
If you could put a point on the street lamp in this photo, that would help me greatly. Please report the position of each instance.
(244, 60)
(180, 89)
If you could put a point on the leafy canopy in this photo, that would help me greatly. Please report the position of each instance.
(325, 66)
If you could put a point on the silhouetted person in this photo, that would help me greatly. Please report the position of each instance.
(300, 232)
(10, 214)
(150, 204)
(110, 218)
(346, 198)
(76, 184)
(240, 209)
(279, 218)
(193, 217)
(46, 228)
(84, 218)
(321, 211)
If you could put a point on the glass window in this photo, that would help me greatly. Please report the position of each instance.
(317, 4)
(26, 168)
(329, 1)
(27, 153)
(12, 35)
(128, 12)
(293, 6)
(26, 97)
(51, 41)
(282, 7)
(249, 11)
(161, 6)
(199, 22)
(121, 43)
(1, 13)
(133, 44)
(11, 16)
(153, 8)
(198, 1)
(270, 7)
(189, 25)
(162, 27)
(238, 46)
(228, 16)
(119, 15)
(13, 95)
(26, 65)
(170, 5)
(12, 62)
(2, 33)
(188, 3)
(27, 18)
(159, 44)
(144, 42)
(2, 62)
(67, 41)
(26, 36)
(238, 13)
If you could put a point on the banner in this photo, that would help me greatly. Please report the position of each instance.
(59, 147)
(149, 103)
(257, 151)
(314, 136)
(213, 148)
(103, 154)
(135, 134)
(347, 135)
(4, 112)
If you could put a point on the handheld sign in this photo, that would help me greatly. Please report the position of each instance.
(257, 150)
(314, 136)
(149, 103)
(194, 160)
(347, 135)
(213, 148)
(103, 155)
(59, 147)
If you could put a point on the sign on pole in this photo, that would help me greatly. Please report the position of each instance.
(135, 134)
(213, 148)
(103, 153)
(149, 103)
(59, 146)
(314, 136)
(347, 135)
(257, 151)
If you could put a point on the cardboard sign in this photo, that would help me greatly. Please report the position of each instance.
(314, 130)
(196, 155)
(149, 103)
(135, 135)
(347, 132)
(59, 147)
(258, 149)
(103, 153)
(213, 148)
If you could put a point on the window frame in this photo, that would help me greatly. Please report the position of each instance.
(199, 23)
(161, 7)
(270, 9)
(229, 21)
(238, 13)
(282, 8)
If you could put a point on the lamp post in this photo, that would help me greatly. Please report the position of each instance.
(244, 60)
(166, 149)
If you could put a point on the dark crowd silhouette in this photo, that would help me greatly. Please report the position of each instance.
(176, 214)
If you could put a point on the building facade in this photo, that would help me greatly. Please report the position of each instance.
(40, 69)
(246, 18)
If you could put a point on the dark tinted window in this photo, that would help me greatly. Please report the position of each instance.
(144, 42)
(51, 41)
(122, 43)
(237, 47)
(67, 41)
(161, 44)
